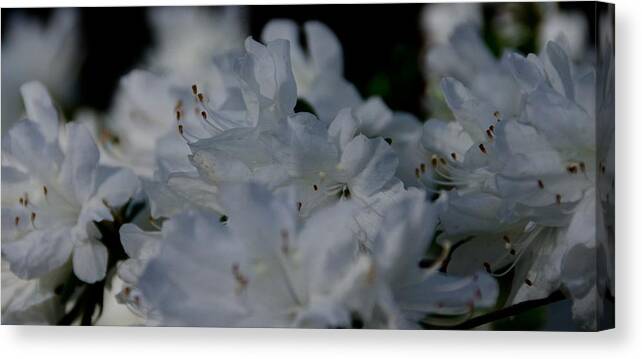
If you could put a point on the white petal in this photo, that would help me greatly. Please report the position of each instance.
(78, 172)
(38, 252)
(90, 261)
(40, 109)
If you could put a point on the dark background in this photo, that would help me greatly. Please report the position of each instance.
(382, 45)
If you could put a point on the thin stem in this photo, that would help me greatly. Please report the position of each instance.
(504, 312)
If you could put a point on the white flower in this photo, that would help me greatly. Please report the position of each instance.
(260, 272)
(319, 71)
(524, 186)
(439, 21)
(58, 191)
(275, 271)
(30, 301)
(35, 52)
(187, 39)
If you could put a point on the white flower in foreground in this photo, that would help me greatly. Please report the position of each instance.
(29, 301)
(34, 52)
(524, 187)
(262, 267)
(319, 70)
(57, 190)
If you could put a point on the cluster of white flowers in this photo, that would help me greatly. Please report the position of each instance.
(343, 215)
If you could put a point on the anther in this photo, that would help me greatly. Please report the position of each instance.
(528, 282)
(433, 161)
(204, 115)
(298, 206)
(443, 161)
(223, 219)
(315, 187)
(178, 115)
(417, 173)
(200, 97)
(44, 190)
(482, 148)
(540, 184)
(506, 239)
(582, 167)
(17, 220)
(180, 129)
(496, 115)
(512, 252)
(422, 168)
(346, 193)
(389, 140)
(571, 169)
(21, 201)
(33, 216)
(489, 133)
(487, 267)
(454, 156)
(194, 89)
(558, 199)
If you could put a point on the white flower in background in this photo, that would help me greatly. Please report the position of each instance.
(319, 70)
(187, 39)
(568, 28)
(439, 21)
(47, 53)
(275, 271)
(55, 190)
(524, 186)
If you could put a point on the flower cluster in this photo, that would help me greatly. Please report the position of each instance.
(245, 183)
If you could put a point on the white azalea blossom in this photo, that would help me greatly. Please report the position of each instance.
(60, 191)
(276, 271)
(524, 185)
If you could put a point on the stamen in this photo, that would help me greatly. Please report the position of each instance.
(482, 148)
(200, 97)
(506, 239)
(44, 189)
(422, 167)
(33, 216)
(346, 193)
(223, 219)
(558, 199)
(315, 187)
(417, 173)
(194, 89)
(540, 184)
(496, 115)
(17, 221)
(572, 169)
(298, 206)
(528, 282)
(454, 156)
(21, 201)
(204, 115)
(512, 252)
(487, 267)
(389, 140)
(178, 115)
(433, 161)
(489, 133)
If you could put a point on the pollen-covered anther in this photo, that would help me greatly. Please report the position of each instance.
(487, 267)
(482, 148)
(434, 161)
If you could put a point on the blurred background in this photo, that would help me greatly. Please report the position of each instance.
(382, 44)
